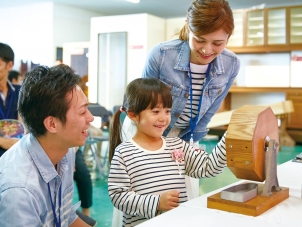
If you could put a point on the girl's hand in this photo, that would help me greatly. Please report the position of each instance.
(168, 200)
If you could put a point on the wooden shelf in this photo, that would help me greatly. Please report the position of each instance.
(243, 89)
(265, 49)
(266, 21)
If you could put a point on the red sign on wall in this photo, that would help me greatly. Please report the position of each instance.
(296, 58)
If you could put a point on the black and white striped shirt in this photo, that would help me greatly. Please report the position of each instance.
(138, 177)
(198, 78)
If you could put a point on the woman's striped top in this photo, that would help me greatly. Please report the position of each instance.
(138, 177)
(198, 78)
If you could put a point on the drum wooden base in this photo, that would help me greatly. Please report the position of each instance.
(252, 207)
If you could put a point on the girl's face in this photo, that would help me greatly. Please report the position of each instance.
(206, 47)
(153, 122)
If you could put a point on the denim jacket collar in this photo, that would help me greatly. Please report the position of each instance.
(183, 60)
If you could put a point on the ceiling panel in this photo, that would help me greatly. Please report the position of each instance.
(160, 8)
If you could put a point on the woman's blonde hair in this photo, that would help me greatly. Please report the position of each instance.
(207, 16)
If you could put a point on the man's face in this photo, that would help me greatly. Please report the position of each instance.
(78, 118)
(18, 81)
(5, 68)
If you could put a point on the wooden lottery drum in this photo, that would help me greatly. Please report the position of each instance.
(245, 141)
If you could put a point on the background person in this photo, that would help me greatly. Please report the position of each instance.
(15, 77)
(9, 94)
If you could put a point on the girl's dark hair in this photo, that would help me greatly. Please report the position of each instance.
(207, 16)
(44, 93)
(141, 94)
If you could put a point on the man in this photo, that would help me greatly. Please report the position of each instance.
(8, 93)
(36, 174)
(15, 77)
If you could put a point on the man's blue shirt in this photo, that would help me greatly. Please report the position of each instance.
(25, 171)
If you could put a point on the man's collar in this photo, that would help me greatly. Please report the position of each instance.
(10, 85)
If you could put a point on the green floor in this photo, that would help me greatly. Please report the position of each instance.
(102, 208)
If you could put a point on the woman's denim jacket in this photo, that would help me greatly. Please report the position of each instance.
(169, 62)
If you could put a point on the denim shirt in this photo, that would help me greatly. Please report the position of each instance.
(25, 170)
(169, 62)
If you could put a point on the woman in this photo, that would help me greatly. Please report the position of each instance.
(200, 54)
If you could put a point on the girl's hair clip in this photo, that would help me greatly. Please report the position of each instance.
(122, 109)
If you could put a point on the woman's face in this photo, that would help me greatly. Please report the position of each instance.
(206, 47)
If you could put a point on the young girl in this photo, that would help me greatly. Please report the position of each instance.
(147, 172)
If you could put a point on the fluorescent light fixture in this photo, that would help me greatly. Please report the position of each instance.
(133, 1)
(261, 6)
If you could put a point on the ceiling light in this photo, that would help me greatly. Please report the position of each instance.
(261, 6)
(133, 1)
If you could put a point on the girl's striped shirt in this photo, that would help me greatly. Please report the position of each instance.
(138, 177)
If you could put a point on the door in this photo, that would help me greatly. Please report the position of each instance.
(112, 68)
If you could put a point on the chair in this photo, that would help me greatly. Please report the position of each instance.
(92, 140)
(115, 108)
(98, 110)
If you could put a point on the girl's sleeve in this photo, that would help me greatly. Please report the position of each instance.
(200, 164)
(123, 197)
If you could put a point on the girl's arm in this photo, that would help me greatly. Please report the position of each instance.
(123, 197)
(200, 164)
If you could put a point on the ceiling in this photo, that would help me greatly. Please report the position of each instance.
(160, 8)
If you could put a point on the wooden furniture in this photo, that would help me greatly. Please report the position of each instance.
(267, 30)
(294, 120)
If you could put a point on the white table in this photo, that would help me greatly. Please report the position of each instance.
(195, 212)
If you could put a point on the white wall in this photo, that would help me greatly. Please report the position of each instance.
(173, 27)
(35, 30)
(28, 29)
(71, 25)
(143, 32)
